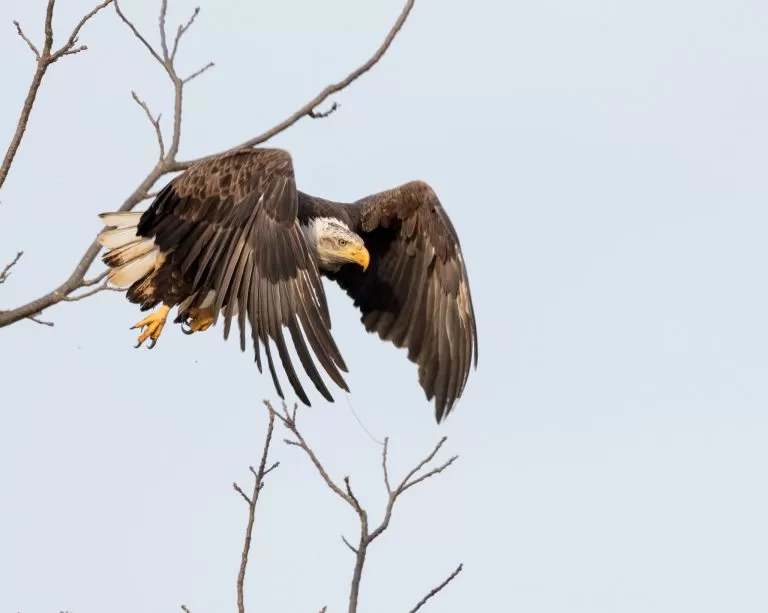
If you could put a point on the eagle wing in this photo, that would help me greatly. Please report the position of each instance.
(229, 226)
(415, 292)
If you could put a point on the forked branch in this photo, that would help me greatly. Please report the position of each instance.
(44, 58)
(167, 162)
(420, 473)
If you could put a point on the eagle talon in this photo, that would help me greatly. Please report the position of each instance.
(154, 324)
(198, 320)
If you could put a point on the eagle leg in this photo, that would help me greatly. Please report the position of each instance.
(198, 320)
(154, 324)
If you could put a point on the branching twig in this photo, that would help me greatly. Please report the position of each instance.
(252, 501)
(167, 163)
(182, 29)
(346, 493)
(44, 59)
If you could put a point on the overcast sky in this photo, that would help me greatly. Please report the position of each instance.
(605, 166)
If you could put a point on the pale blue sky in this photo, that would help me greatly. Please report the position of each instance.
(605, 166)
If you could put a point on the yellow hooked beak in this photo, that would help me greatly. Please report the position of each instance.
(359, 255)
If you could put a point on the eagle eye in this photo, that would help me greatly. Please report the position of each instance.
(342, 242)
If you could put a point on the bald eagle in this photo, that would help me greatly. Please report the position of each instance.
(233, 236)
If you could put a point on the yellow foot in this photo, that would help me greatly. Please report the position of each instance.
(198, 320)
(154, 326)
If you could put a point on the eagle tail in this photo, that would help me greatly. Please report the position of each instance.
(130, 257)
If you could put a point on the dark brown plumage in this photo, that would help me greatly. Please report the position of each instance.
(233, 235)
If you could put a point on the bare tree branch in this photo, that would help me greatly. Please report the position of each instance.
(437, 589)
(346, 493)
(252, 501)
(168, 163)
(44, 60)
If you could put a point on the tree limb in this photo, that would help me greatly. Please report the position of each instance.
(44, 60)
(168, 163)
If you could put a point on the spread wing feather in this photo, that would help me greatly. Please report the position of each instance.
(415, 293)
(229, 225)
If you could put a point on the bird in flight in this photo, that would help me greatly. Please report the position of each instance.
(232, 236)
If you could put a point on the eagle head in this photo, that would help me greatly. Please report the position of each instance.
(334, 244)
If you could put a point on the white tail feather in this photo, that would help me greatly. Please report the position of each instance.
(126, 275)
(125, 219)
(119, 237)
(123, 255)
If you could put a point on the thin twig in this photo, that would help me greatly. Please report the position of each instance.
(42, 322)
(104, 287)
(163, 36)
(155, 121)
(197, 73)
(437, 589)
(384, 465)
(24, 37)
(352, 548)
(6, 272)
(182, 29)
(138, 34)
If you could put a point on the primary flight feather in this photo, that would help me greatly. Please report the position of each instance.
(233, 237)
